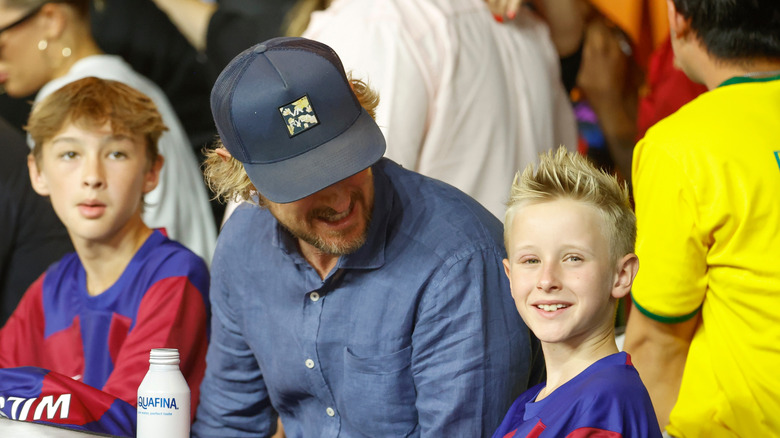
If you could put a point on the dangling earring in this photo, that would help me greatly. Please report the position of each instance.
(42, 45)
(66, 52)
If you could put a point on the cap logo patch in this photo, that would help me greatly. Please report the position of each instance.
(299, 116)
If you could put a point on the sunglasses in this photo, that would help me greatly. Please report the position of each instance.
(22, 19)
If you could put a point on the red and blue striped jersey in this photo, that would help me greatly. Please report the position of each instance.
(607, 399)
(38, 395)
(160, 300)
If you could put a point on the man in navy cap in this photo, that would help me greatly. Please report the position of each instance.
(352, 297)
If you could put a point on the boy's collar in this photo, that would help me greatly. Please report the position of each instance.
(752, 77)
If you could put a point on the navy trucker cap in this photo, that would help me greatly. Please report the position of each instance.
(285, 109)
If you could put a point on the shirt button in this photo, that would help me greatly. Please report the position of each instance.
(309, 363)
(314, 296)
(330, 412)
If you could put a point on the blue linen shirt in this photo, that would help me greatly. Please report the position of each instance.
(414, 334)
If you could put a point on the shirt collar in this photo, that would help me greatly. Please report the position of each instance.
(372, 254)
(744, 79)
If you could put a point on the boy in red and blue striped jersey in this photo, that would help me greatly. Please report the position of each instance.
(89, 321)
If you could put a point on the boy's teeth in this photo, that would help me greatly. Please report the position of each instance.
(550, 307)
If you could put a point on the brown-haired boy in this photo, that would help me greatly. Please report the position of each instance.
(94, 315)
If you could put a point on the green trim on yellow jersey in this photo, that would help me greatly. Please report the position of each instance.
(743, 79)
(664, 319)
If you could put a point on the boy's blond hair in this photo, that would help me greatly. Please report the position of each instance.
(91, 102)
(569, 175)
(228, 179)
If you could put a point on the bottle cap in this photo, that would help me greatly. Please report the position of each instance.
(164, 356)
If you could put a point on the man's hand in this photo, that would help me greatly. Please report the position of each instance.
(505, 8)
(566, 18)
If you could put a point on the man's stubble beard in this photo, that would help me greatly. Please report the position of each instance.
(303, 229)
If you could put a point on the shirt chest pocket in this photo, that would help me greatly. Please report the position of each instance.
(379, 393)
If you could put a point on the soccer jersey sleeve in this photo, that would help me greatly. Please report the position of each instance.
(41, 396)
(672, 250)
(22, 335)
(172, 314)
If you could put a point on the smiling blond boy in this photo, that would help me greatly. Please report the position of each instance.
(569, 235)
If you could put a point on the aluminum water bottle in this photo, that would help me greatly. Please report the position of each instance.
(163, 398)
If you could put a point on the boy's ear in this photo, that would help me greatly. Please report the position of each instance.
(627, 267)
(38, 180)
(679, 26)
(152, 177)
(506, 271)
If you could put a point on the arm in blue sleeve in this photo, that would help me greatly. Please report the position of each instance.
(233, 398)
(472, 353)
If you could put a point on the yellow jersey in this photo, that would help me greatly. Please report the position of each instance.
(707, 193)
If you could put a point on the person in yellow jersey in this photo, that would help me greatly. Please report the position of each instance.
(704, 331)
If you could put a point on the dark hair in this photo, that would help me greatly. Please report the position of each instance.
(735, 29)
